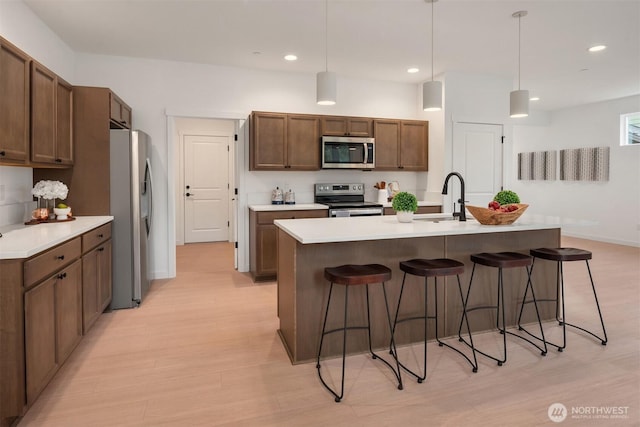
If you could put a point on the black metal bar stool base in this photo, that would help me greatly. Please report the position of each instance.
(350, 275)
(431, 268)
(560, 255)
(500, 261)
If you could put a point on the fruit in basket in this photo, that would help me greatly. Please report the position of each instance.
(493, 205)
(61, 206)
(506, 197)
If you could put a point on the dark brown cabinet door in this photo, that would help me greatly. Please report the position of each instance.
(268, 146)
(267, 248)
(64, 123)
(43, 114)
(303, 142)
(90, 283)
(120, 113)
(346, 126)
(105, 288)
(14, 104)
(68, 302)
(387, 134)
(41, 362)
(414, 145)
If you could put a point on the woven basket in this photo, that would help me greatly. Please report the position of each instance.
(487, 216)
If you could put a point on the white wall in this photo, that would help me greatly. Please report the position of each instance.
(22, 28)
(155, 88)
(615, 204)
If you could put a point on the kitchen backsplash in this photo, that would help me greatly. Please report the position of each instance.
(16, 202)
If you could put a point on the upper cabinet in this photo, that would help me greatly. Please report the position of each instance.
(347, 126)
(401, 145)
(51, 117)
(14, 104)
(120, 113)
(36, 117)
(281, 141)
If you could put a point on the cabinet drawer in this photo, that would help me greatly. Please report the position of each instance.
(93, 238)
(50, 261)
(269, 217)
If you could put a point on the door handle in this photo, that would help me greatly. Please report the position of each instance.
(188, 194)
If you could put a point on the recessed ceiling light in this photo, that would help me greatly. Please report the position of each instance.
(413, 70)
(534, 98)
(290, 57)
(597, 48)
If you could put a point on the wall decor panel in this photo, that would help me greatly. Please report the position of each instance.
(539, 165)
(584, 164)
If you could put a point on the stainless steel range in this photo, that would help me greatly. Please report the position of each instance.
(345, 200)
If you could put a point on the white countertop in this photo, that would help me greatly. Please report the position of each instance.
(23, 241)
(420, 203)
(326, 230)
(294, 207)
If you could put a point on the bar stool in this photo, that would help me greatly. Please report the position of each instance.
(356, 275)
(432, 268)
(561, 255)
(502, 260)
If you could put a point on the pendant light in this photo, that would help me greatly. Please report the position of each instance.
(519, 99)
(432, 91)
(326, 80)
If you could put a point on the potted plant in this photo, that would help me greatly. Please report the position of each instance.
(405, 204)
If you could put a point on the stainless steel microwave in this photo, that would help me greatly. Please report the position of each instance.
(348, 152)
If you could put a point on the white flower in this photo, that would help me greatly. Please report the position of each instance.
(50, 190)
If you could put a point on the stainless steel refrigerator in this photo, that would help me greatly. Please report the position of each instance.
(132, 209)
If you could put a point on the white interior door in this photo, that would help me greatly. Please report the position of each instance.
(477, 155)
(206, 188)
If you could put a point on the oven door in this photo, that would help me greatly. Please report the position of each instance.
(347, 153)
(346, 212)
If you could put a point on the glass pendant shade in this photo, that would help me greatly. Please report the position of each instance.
(519, 103)
(432, 96)
(326, 88)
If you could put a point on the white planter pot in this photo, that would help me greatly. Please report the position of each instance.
(404, 216)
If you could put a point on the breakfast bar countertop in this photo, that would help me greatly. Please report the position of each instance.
(25, 241)
(325, 230)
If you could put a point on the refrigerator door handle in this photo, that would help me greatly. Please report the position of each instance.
(148, 188)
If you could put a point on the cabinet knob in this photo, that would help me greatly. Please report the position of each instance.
(188, 194)
(2, 153)
(100, 236)
(58, 160)
(100, 249)
(62, 276)
(60, 257)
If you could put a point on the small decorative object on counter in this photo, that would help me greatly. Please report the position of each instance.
(290, 198)
(504, 215)
(46, 192)
(62, 211)
(276, 196)
(405, 204)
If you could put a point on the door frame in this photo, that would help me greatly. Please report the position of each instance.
(448, 199)
(238, 159)
(180, 205)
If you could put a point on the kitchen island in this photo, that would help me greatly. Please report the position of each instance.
(307, 246)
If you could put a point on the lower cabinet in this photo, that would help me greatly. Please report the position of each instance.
(53, 326)
(96, 283)
(263, 239)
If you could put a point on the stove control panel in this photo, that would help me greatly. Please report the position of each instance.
(339, 189)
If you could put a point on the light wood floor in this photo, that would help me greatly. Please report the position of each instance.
(202, 350)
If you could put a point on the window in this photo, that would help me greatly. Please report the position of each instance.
(630, 129)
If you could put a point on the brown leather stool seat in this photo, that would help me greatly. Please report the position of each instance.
(560, 255)
(435, 268)
(502, 260)
(355, 275)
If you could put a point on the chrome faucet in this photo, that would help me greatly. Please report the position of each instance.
(462, 216)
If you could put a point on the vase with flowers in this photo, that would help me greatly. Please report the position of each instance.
(47, 192)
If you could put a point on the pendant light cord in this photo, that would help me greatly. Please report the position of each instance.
(432, 40)
(519, 50)
(326, 35)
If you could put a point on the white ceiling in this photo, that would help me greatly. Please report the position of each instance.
(375, 39)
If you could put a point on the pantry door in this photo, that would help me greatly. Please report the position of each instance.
(206, 188)
(477, 155)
